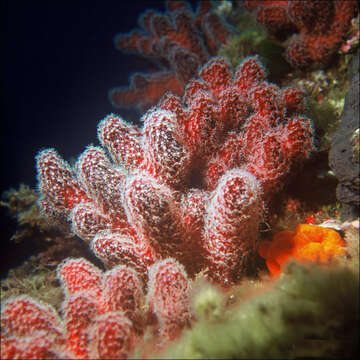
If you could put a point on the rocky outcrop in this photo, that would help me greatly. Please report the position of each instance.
(344, 152)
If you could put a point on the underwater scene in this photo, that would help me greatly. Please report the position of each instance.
(180, 179)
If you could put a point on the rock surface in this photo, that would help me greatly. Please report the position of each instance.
(344, 152)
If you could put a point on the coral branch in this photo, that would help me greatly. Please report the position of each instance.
(168, 297)
(230, 235)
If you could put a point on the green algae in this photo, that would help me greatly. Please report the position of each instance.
(326, 89)
(22, 205)
(249, 39)
(34, 279)
(309, 311)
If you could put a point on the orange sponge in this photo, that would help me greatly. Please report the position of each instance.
(309, 243)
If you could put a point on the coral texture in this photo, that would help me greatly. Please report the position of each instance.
(178, 42)
(192, 182)
(321, 26)
(308, 243)
(103, 316)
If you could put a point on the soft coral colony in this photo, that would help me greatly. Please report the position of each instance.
(158, 204)
(102, 315)
(319, 27)
(182, 194)
(191, 183)
(178, 43)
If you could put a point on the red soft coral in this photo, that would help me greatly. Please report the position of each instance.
(103, 314)
(192, 182)
(321, 26)
(179, 42)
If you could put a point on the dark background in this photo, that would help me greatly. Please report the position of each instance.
(58, 64)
